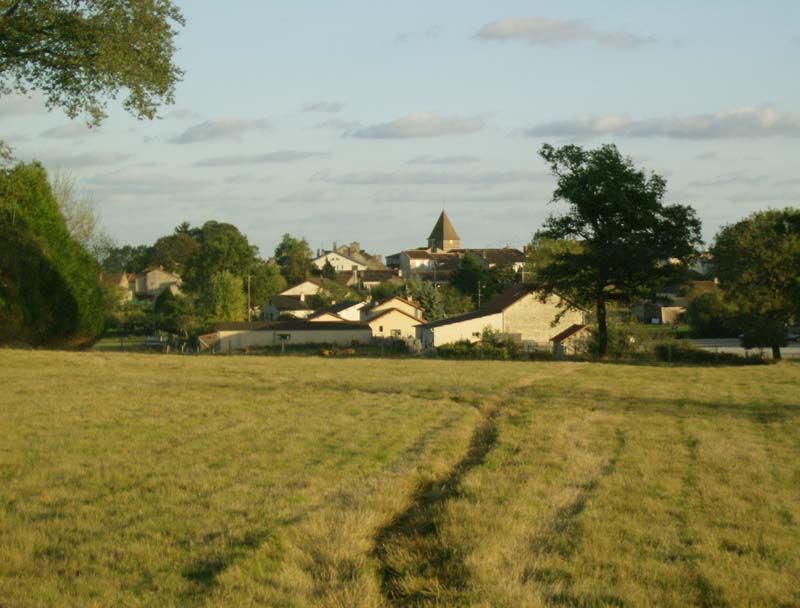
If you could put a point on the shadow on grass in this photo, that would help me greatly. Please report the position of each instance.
(414, 533)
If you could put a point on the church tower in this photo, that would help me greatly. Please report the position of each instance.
(444, 236)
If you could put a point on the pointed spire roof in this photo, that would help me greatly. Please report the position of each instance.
(443, 230)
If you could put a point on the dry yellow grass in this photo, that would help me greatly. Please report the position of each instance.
(169, 480)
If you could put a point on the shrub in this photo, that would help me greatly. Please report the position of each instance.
(678, 352)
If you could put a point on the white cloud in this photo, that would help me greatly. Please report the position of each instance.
(371, 178)
(221, 128)
(73, 130)
(736, 178)
(281, 156)
(427, 159)
(330, 107)
(744, 122)
(546, 31)
(421, 124)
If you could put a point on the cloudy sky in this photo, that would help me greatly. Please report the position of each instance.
(347, 120)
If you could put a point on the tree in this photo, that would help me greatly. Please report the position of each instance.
(628, 238)
(80, 216)
(221, 248)
(386, 289)
(81, 52)
(328, 271)
(427, 295)
(757, 262)
(223, 299)
(266, 281)
(127, 258)
(709, 316)
(176, 314)
(470, 277)
(175, 251)
(453, 301)
(49, 288)
(294, 258)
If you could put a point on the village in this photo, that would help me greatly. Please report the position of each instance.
(299, 315)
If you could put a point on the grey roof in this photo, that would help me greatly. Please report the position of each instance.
(288, 303)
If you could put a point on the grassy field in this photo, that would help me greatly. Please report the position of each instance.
(148, 480)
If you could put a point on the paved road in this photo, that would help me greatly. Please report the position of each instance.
(731, 345)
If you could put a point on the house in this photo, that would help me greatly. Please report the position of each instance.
(280, 305)
(367, 279)
(119, 281)
(353, 252)
(572, 340)
(347, 310)
(398, 303)
(340, 262)
(229, 337)
(148, 284)
(517, 312)
(394, 323)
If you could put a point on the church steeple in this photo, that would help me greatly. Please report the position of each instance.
(444, 236)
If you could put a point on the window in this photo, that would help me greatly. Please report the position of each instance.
(396, 333)
(380, 328)
(476, 334)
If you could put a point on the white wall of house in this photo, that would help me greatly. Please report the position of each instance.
(306, 288)
(353, 313)
(339, 262)
(534, 319)
(469, 329)
(394, 324)
(239, 340)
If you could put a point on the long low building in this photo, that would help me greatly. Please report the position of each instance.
(229, 337)
(518, 312)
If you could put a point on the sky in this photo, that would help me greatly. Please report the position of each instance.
(360, 121)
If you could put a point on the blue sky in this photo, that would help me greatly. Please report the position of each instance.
(360, 120)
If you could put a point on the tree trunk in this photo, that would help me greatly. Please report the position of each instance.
(776, 351)
(602, 327)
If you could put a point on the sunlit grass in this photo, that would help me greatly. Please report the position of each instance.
(168, 480)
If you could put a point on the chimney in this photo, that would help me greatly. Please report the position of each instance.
(302, 297)
(334, 245)
(355, 275)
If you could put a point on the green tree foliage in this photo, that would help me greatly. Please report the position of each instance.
(49, 289)
(428, 296)
(78, 53)
(294, 258)
(626, 233)
(127, 258)
(175, 251)
(387, 289)
(500, 278)
(266, 281)
(223, 298)
(328, 271)
(176, 314)
(454, 302)
(221, 248)
(471, 276)
(709, 316)
(758, 265)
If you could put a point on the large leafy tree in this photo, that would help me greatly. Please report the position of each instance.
(265, 281)
(629, 239)
(294, 258)
(175, 251)
(223, 297)
(757, 262)
(79, 53)
(471, 277)
(221, 247)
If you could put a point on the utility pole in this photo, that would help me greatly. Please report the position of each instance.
(479, 294)
(249, 308)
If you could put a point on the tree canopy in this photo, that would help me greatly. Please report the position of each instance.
(757, 262)
(79, 53)
(221, 248)
(628, 238)
(294, 258)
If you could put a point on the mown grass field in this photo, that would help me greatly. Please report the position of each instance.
(148, 480)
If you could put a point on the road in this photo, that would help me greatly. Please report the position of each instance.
(731, 345)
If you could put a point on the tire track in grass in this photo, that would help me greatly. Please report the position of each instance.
(416, 530)
(563, 538)
(708, 594)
